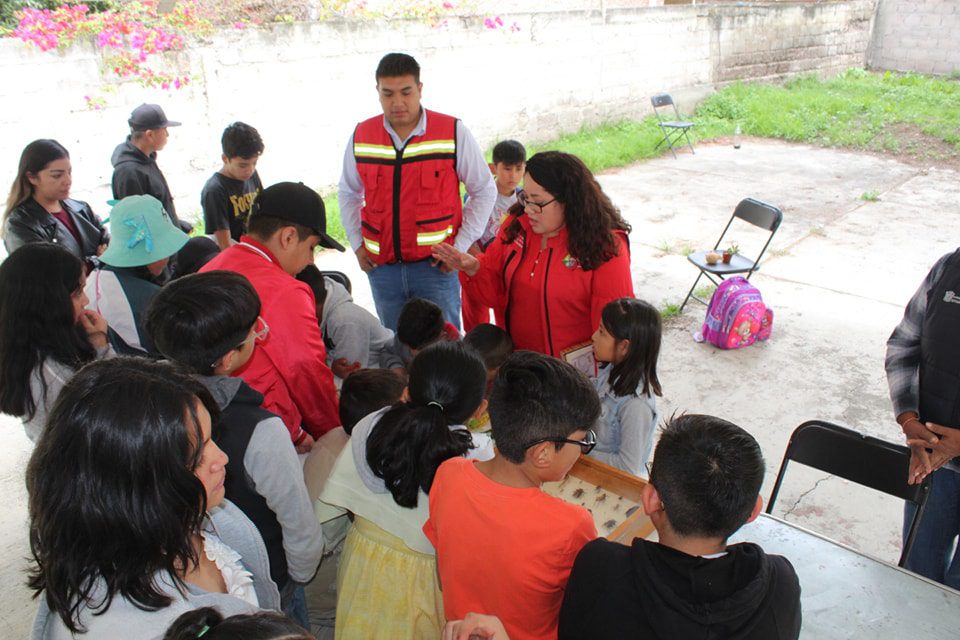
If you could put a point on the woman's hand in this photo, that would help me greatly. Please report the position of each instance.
(456, 259)
(475, 626)
(96, 327)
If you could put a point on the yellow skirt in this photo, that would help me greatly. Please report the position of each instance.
(385, 589)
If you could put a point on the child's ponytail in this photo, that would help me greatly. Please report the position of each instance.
(405, 447)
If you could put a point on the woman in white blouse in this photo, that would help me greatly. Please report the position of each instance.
(128, 524)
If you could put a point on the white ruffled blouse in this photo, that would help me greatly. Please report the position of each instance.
(238, 580)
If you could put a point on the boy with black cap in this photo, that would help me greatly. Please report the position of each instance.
(135, 170)
(287, 222)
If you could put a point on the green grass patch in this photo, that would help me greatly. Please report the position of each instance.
(870, 196)
(334, 226)
(705, 291)
(669, 310)
(857, 109)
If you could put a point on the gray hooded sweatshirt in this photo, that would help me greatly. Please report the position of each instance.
(353, 333)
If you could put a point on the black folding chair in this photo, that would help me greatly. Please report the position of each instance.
(760, 214)
(859, 458)
(672, 129)
(340, 277)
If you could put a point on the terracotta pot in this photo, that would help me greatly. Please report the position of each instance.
(727, 257)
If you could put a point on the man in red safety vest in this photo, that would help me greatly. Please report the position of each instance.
(400, 194)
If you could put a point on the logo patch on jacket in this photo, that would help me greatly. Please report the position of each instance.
(570, 262)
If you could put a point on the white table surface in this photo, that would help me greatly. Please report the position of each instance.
(846, 594)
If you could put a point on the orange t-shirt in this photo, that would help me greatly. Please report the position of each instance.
(502, 550)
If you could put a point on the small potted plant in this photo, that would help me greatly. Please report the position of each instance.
(729, 252)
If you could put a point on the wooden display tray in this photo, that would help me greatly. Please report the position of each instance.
(611, 495)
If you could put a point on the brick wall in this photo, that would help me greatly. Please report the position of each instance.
(304, 86)
(916, 35)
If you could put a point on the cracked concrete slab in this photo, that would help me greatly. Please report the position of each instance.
(839, 273)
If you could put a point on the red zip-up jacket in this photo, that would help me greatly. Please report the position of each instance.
(571, 298)
(289, 366)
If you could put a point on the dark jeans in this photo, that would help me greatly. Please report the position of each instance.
(935, 554)
(394, 284)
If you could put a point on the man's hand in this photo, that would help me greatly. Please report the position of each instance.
(948, 446)
(366, 262)
(341, 368)
(101, 248)
(931, 446)
(475, 626)
(920, 466)
(455, 259)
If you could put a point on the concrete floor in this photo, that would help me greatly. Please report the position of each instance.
(838, 275)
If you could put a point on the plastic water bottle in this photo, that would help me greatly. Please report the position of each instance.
(736, 138)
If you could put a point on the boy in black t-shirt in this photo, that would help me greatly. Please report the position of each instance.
(229, 193)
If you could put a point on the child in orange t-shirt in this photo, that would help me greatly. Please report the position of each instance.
(504, 546)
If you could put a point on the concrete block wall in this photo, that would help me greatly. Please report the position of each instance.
(304, 86)
(916, 35)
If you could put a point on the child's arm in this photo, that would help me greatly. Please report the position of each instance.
(273, 466)
(637, 424)
(216, 213)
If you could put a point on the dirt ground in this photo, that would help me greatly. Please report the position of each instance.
(838, 275)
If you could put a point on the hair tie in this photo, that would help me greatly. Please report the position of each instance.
(434, 403)
(206, 628)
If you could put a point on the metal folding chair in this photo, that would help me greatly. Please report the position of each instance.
(672, 129)
(868, 461)
(760, 214)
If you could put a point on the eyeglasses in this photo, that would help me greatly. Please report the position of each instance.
(526, 203)
(260, 331)
(586, 445)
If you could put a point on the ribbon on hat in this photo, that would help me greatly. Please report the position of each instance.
(141, 233)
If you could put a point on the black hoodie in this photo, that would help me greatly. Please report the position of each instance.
(649, 590)
(137, 174)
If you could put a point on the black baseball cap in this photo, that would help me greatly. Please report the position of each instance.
(149, 116)
(297, 203)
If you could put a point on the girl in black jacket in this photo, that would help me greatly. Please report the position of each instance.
(38, 209)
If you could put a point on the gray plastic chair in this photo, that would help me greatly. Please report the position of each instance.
(672, 129)
(760, 214)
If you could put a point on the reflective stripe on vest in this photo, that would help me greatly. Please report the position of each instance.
(372, 246)
(432, 237)
(429, 148)
(374, 151)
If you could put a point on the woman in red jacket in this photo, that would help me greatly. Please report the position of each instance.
(560, 257)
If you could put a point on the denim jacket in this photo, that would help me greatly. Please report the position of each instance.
(625, 428)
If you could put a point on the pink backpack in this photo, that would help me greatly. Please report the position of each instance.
(736, 315)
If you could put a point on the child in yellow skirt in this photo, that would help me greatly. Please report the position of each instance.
(387, 582)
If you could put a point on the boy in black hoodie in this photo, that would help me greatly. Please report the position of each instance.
(704, 485)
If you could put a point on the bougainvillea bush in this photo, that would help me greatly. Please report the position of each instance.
(133, 35)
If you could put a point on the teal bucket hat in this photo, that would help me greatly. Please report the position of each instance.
(141, 233)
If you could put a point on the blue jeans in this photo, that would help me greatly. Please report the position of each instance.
(935, 554)
(293, 601)
(394, 284)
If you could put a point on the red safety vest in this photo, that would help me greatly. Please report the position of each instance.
(412, 194)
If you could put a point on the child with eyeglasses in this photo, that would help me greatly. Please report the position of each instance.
(503, 545)
(210, 324)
